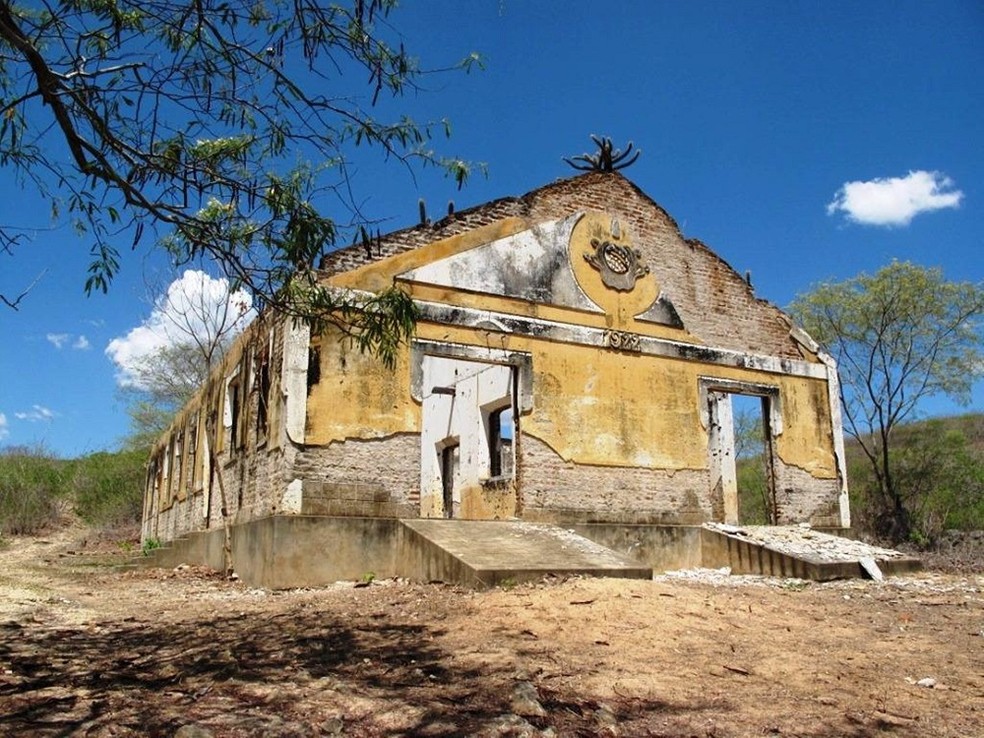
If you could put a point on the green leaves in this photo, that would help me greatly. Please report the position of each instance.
(102, 269)
(224, 126)
(377, 324)
(899, 336)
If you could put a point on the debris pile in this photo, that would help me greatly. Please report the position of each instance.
(802, 541)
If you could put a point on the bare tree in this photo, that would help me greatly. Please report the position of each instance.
(194, 320)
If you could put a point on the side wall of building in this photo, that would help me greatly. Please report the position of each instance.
(228, 457)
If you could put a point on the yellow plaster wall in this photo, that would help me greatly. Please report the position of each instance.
(357, 396)
(808, 440)
(590, 405)
(594, 406)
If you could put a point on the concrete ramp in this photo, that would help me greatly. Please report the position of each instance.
(798, 551)
(487, 553)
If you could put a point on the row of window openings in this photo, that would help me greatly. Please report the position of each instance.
(234, 438)
(235, 431)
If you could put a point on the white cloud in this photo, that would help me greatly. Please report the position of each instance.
(895, 201)
(58, 340)
(195, 304)
(36, 413)
(4, 431)
(61, 340)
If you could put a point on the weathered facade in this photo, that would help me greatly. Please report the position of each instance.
(574, 362)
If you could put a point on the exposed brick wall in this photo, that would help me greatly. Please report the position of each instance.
(362, 477)
(556, 490)
(713, 300)
(359, 499)
(408, 239)
(255, 475)
(801, 497)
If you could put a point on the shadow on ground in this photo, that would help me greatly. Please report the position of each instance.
(295, 673)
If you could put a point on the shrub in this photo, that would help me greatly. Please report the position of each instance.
(108, 487)
(940, 478)
(32, 485)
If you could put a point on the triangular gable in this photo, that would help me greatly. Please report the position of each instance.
(583, 263)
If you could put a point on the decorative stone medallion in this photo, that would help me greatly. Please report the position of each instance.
(617, 263)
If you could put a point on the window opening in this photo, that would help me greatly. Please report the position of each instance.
(192, 451)
(314, 367)
(178, 475)
(166, 476)
(501, 442)
(233, 409)
(264, 395)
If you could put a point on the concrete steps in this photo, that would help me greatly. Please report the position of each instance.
(794, 551)
(489, 553)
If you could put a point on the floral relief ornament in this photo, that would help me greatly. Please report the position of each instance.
(618, 264)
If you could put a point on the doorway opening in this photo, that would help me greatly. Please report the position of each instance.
(753, 460)
(742, 423)
(450, 466)
(468, 424)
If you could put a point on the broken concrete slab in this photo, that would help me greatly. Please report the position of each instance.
(798, 551)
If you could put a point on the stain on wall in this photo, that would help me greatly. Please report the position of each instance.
(619, 317)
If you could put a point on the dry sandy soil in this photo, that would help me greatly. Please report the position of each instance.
(88, 651)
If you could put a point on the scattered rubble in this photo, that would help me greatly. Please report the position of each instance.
(802, 541)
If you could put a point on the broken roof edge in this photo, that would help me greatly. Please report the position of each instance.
(509, 205)
(522, 202)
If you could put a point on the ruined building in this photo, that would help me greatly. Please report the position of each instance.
(574, 363)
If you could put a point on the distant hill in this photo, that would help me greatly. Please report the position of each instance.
(971, 425)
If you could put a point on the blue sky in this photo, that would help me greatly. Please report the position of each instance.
(752, 118)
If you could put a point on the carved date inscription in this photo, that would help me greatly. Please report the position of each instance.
(623, 341)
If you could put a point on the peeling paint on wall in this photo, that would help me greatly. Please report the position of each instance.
(612, 341)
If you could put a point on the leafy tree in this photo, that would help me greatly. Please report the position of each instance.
(187, 118)
(899, 336)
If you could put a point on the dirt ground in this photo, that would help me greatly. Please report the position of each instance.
(89, 651)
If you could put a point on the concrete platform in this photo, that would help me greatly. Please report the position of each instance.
(285, 551)
(488, 553)
(796, 551)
